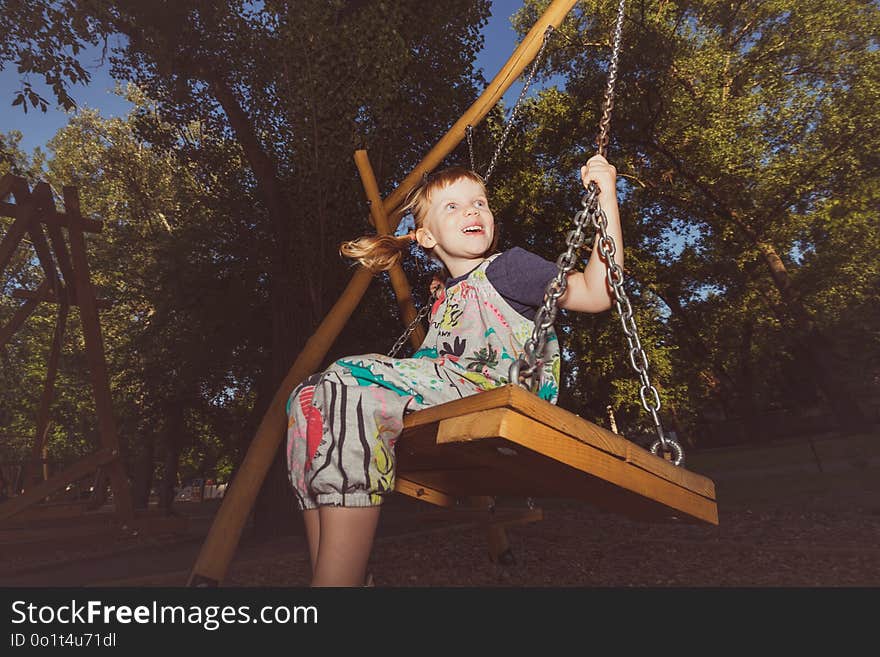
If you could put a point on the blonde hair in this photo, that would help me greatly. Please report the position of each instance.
(382, 252)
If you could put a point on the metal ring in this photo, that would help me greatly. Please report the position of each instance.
(671, 447)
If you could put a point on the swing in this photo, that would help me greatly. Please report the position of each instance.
(509, 442)
(505, 441)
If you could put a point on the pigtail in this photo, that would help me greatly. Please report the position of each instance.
(377, 252)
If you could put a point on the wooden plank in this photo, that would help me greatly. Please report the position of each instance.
(76, 471)
(52, 218)
(49, 297)
(49, 385)
(53, 511)
(6, 183)
(11, 239)
(524, 436)
(495, 423)
(95, 352)
(41, 202)
(516, 398)
(22, 313)
(424, 493)
(64, 264)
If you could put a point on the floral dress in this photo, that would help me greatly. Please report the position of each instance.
(343, 422)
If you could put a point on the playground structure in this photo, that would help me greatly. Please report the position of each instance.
(504, 442)
(64, 262)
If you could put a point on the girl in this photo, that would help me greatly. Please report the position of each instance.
(344, 421)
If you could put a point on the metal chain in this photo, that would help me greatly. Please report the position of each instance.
(608, 104)
(412, 327)
(637, 357)
(529, 366)
(526, 370)
(469, 133)
(516, 106)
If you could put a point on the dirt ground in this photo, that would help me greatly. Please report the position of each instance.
(793, 529)
(787, 519)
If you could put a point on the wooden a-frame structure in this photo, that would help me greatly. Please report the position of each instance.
(67, 283)
(503, 441)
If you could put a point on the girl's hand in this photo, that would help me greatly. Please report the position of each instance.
(603, 174)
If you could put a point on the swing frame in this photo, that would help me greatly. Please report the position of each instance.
(481, 423)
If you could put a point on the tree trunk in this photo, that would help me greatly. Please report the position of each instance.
(172, 439)
(748, 409)
(275, 506)
(826, 369)
(142, 477)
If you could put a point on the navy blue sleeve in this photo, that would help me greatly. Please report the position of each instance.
(521, 275)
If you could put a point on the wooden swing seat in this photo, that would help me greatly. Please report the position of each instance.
(509, 442)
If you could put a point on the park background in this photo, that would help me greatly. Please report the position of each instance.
(745, 137)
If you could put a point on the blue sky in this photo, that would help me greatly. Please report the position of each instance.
(38, 127)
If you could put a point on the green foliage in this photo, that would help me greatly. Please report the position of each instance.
(745, 138)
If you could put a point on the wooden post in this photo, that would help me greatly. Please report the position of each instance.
(76, 471)
(399, 282)
(22, 313)
(22, 213)
(85, 296)
(611, 421)
(49, 385)
(512, 69)
(40, 202)
(219, 546)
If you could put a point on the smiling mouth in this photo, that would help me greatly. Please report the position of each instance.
(473, 230)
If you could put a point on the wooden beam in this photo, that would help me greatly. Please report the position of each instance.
(399, 282)
(11, 239)
(52, 218)
(22, 313)
(41, 202)
(523, 55)
(424, 493)
(49, 297)
(6, 183)
(49, 385)
(76, 471)
(219, 546)
(95, 352)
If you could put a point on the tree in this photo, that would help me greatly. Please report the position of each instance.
(733, 125)
(298, 86)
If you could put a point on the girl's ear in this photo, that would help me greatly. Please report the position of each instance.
(424, 238)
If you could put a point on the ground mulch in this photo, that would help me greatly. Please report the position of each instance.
(819, 532)
(579, 547)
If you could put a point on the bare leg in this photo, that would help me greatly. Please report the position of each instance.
(346, 539)
(313, 534)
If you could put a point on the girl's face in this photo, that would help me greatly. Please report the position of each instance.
(458, 225)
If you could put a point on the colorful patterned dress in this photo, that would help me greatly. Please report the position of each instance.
(344, 421)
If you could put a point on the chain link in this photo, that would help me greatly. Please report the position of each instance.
(516, 106)
(469, 133)
(526, 370)
(605, 121)
(412, 327)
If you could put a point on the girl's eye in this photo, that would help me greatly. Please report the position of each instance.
(450, 206)
(480, 204)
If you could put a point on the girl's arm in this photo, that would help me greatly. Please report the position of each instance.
(587, 291)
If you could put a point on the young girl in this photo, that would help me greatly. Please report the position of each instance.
(344, 421)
